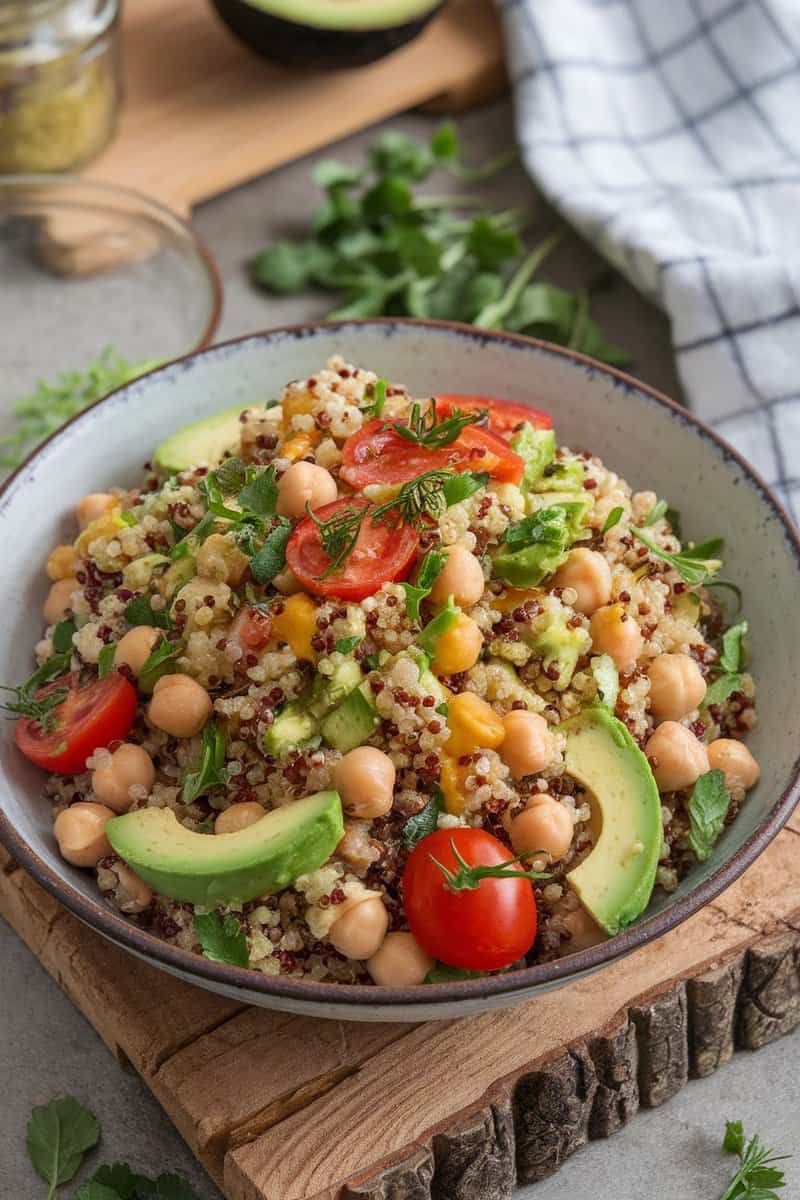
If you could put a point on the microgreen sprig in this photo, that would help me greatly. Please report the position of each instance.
(468, 878)
(432, 431)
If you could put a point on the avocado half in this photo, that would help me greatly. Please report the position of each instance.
(326, 34)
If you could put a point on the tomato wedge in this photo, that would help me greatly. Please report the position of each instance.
(92, 715)
(482, 929)
(378, 454)
(504, 415)
(381, 554)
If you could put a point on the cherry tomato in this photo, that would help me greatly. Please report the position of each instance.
(381, 554)
(251, 629)
(92, 715)
(378, 454)
(504, 415)
(481, 929)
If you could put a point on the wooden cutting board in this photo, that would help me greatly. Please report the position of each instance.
(202, 113)
(279, 1107)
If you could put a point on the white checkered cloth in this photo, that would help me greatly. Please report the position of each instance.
(668, 133)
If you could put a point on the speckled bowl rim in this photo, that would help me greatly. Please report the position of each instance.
(444, 995)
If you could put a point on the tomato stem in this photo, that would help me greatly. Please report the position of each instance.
(467, 878)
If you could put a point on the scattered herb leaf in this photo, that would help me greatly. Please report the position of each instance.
(140, 611)
(424, 822)
(222, 938)
(433, 432)
(613, 518)
(429, 569)
(267, 562)
(378, 393)
(463, 485)
(758, 1178)
(105, 660)
(442, 973)
(659, 510)
(708, 807)
(211, 773)
(694, 565)
(733, 648)
(347, 645)
(59, 1135)
(161, 662)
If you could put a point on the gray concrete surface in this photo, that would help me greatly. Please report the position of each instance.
(46, 1047)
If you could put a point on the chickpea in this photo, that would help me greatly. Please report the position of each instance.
(59, 600)
(616, 633)
(94, 506)
(735, 760)
(238, 816)
(583, 930)
(287, 583)
(359, 932)
(305, 483)
(221, 560)
(62, 563)
(180, 706)
(528, 746)
(132, 893)
(461, 577)
(678, 758)
(129, 766)
(459, 648)
(677, 686)
(80, 833)
(135, 647)
(544, 825)
(364, 779)
(400, 962)
(589, 574)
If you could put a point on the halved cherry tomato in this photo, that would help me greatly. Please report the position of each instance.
(251, 629)
(381, 554)
(481, 929)
(378, 454)
(504, 415)
(92, 715)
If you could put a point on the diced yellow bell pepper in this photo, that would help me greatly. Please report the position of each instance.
(299, 445)
(514, 598)
(474, 725)
(293, 405)
(106, 526)
(451, 781)
(62, 563)
(296, 624)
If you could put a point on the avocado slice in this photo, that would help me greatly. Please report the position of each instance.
(201, 444)
(293, 728)
(352, 722)
(327, 34)
(538, 448)
(615, 881)
(229, 868)
(527, 566)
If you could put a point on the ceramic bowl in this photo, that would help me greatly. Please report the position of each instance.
(644, 437)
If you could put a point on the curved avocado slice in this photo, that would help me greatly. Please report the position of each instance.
(231, 867)
(327, 34)
(615, 881)
(201, 444)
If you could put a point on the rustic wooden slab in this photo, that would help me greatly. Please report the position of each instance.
(203, 113)
(279, 1107)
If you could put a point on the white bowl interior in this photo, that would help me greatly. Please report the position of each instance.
(638, 437)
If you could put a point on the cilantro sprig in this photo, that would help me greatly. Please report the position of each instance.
(730, 664)
(211, 772)
(384, 247)
(758, 1177)
(259, 531)
(221, 939)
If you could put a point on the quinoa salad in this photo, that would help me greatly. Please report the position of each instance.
(367, 688)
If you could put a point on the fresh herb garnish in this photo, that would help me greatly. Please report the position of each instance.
(346, 645)
(267, 562)
(260, 493)
(140, 611)
(59, 1135)
(707, 808)
(548, 525)
(757, 1177)
(424, 822)
(433, 431)
(658, 511)
(212, 772)
(159, 663)
(63, 634)
(463, 485)
(442, 973)
(442, 709)
(730, 664)
(467, 878)
(222, 938)
(105, 660)
(27, 701)
(694, 565)
(51, 404)
(674, 519)
(377, 391)
(387, 248)
(613, 518)
(429, 569)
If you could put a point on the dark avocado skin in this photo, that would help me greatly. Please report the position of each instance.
(296, 45)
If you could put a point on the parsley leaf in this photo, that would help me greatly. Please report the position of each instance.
(721, 689)
(231, 475)
(733, 648)
(62, 637)
(105, 660)
(423, 823)
(222, 938)
(613, 518)
(347, 645)
(429, 569)
(260, 493)
(694, 565)
(707, 808)
(59, 1135)
(140, 611)
(758, 1178)
(159, 663)
(267, 562)
(212, 772)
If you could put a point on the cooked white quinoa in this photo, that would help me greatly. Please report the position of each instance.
(287, 933)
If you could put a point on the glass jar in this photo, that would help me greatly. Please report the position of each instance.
(59, 82)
